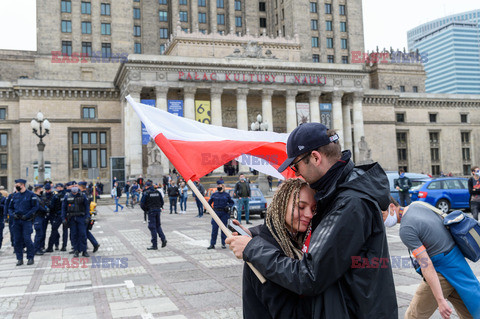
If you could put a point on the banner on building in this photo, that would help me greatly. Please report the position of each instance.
(145, 135)
(326, 114)
(203, 112)
(175, 107)
(303, 113)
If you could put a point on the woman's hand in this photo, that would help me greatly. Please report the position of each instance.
(237, 244)
(236, 222)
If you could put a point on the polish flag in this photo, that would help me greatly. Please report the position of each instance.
(196, 149)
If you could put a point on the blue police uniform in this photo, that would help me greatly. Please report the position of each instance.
(75, 211)
(39, 225)
(7, 213)
(2, 217)
(23, 206)
(90, 236)
(221, 204)
(47, 198)
(56, 220)
(152, 204)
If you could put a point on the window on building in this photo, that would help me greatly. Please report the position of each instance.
(163, 15)
(93, 149)
(66, 26)
(105, 28)
(402, 154)
(106, 50)
(466, 153)
(314, 42)
(330, 59)
(221, 19)
(136, 13)
(433, 117)
(87, 48)
(402, 88)
(389, 87)
(220, 4)
(435, 170)
(137, 48)
(464, 118)
(415, 89)
(204, 31)
(66, 6)
(183, 2)
(183, 16)
(163, 33)
(67, 48)
(434, 154)
(400, 117)
(88, 112)
(162, 2)
(185, 30)
(467, 169)
(136, 0)
(343, 27)
(263, 22)
(3, 161)
(238, 21)
(86, 27)
(3, 139)
(314, 24)
(262, 7)
(329, 43)
(433, 138)
(341, 9)
(344, 43)
(162, 48)
(313, 7)
(315, 58)
(202, 17)
(137, 31)
(238, 5)
(402, 150)
(105, 9)
(328, 8)
(3, 113)
(345, 59)
(328, 25)
(202, 3)
(465, 137)
(86, 8)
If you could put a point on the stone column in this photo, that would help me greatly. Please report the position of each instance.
(162, 103)
(242, 115)
(212, 6)
(267, 112)
(133, 136)
(347, 124)
(175, 18)
(315, 106)
(358, 130)
(189, 102)
(216, 99)
(231, 16)
(337, 114)
(194, 16)
(291, 96)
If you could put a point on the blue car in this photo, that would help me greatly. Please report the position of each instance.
(257, 204)
(444, 193)
(416, 179)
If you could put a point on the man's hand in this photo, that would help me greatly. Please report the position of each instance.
(397, 188)
(444, 308)
(237, 244)
(17, 216)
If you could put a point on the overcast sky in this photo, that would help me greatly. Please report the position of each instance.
(386, 22)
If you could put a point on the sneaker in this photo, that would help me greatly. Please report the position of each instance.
(115, 211)
(249, 223)
(121, 208)
(211, 247)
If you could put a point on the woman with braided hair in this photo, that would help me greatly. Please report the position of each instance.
(287, 225)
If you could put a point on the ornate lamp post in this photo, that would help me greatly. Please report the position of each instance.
(259, 125)
(41, 127)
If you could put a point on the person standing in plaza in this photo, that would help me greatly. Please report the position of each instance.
(270, 182)
(201, 189)
(90, 237)
(474, 190)
(117, 193)
(221, 204)
(152, 204)
(3, 215)
(173, 193)
(40, 220)
(140, 181)
(126, 190)
(183, 197)
(8, 214)
(242, 192)
(403, 185)
(134, 194)
(47, 198)
(56, 220)
(23, 206)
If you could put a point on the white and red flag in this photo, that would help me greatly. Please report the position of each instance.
(196, 149)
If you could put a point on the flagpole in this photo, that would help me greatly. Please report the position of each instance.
(220, 224)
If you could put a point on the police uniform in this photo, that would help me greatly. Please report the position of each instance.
(47, 199)
(152, 204)
(7, 213)
(221, 204)
(76, 211)
(90, 236)
(56, 220)
(39, 223)
(2, 217)
(23, 206)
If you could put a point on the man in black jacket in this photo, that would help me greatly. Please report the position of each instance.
(474, 190)
(173, 193)
(403, 185)
(348, 227)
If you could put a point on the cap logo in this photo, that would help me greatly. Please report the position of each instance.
(301, 147)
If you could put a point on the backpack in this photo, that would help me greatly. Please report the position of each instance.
(464, 230)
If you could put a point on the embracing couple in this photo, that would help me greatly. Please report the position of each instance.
(313, 230)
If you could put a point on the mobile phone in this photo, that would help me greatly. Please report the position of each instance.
(238, 229)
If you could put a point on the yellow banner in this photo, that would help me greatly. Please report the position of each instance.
(203, 112)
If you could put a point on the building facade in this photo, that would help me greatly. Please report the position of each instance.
(450, 47)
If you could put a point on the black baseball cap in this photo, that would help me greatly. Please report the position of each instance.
(305, 138)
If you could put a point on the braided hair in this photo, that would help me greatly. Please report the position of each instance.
(291, 243)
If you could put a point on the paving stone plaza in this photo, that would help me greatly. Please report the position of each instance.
(125, 280)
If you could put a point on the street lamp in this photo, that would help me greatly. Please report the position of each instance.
(261, 180)
(39, 124)
(259, 125)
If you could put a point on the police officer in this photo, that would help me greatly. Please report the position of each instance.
(3, 199)
(40, 220)
(76, 211)
(221, 204)
(47, 199)
(152, 204)
(66, 225)
(56, 219)
(7, 213)
(23, 206)
(90, 237)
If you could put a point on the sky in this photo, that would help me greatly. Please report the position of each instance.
(386, 22)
